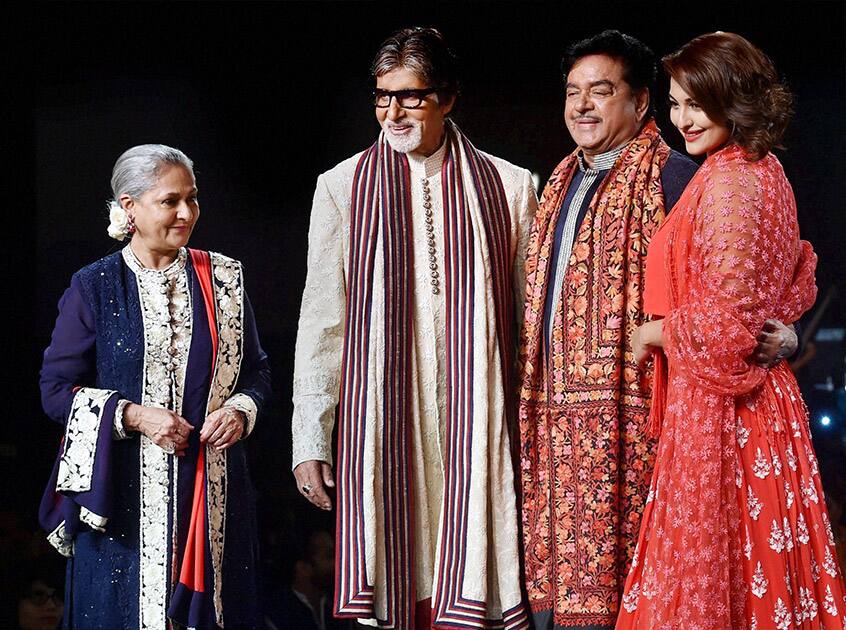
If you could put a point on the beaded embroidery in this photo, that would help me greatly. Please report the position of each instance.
(166, 312)
(229, 299)
(76, 467)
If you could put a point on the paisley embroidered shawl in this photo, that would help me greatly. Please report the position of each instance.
(585, 460)
(477, 559)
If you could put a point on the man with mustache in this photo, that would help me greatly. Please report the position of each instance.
(409, 325)
(585, 449)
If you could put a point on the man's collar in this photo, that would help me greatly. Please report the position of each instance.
(428, 166)
(603, 161)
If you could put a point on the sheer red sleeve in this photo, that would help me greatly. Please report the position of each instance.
(744, 264)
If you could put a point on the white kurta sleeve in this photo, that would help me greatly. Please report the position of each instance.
(317, 362)
(524, 209)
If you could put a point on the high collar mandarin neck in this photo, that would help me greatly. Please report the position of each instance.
(138, 267)
(601, 162)
(423, 166)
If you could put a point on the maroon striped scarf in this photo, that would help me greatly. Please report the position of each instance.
(380, 226)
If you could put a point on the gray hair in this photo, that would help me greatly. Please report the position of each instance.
(138, 168)
(424, 52)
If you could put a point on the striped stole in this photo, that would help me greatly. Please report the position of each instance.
(380, 231)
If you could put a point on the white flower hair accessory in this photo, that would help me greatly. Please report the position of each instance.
(120, 224)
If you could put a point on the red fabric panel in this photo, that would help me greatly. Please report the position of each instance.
(202, 265)
(193, 559)
(423, 614)
(192, 573)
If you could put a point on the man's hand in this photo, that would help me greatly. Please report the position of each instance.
(775, 342)
(313, 478)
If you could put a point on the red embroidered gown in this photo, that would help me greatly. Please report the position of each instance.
(735, 533)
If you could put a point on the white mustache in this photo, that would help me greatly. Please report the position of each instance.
(390, 125)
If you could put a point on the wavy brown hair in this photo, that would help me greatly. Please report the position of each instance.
(736, 85)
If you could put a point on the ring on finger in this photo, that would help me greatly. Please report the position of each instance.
(306, 488)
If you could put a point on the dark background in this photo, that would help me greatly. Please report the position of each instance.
(264, 97)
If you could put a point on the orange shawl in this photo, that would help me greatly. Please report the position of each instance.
(585, 460)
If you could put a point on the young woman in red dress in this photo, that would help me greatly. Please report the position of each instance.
(735, 533)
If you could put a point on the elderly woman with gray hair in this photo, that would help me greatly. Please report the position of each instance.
(156, 372)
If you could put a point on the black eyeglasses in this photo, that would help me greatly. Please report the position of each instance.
(40, 595)
(407, 99)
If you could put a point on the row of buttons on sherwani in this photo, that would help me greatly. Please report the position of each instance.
(430, 237)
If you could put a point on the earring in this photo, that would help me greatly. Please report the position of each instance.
(130, 224)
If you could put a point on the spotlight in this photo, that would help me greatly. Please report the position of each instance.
(825, 421)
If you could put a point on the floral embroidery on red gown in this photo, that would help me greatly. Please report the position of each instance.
(735, 533)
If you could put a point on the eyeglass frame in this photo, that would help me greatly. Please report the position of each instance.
(397, 94)
(40, 596)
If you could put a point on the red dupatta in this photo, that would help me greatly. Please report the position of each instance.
(733, 259)
(192, 603)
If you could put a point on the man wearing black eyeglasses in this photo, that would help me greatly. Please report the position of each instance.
(408, 325)
(413, 118)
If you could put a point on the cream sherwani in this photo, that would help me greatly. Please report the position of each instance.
(320, 337)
